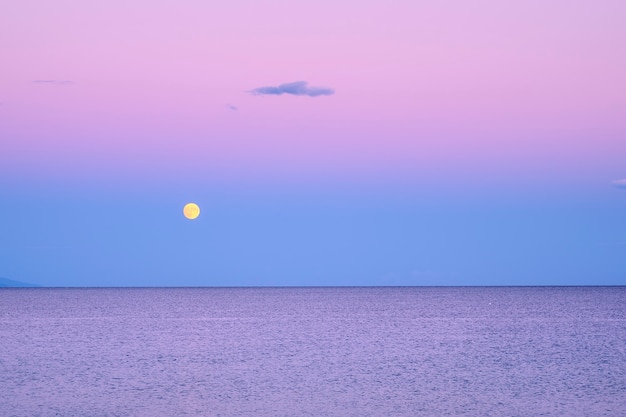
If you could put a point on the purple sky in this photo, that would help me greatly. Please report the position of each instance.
(482, 95)
(490, 87)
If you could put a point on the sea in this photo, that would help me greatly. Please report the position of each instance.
(277, 352)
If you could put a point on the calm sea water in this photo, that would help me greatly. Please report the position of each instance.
(313, 352)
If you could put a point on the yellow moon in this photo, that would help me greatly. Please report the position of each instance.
(191, 211)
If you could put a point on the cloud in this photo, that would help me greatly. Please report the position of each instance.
(297, 88)
(55, 82)
(620, 183)
(231, 107)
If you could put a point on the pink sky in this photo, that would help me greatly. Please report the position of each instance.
(517, 91)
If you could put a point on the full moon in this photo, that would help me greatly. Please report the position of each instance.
(191, 211)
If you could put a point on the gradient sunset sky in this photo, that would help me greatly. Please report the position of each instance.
(326, 142)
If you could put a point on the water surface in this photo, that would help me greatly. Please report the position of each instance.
(273, 352)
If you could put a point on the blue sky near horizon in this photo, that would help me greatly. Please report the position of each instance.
(273, 237)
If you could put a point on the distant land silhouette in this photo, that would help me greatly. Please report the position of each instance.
(9, 283)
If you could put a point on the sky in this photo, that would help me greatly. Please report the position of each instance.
(326, 142)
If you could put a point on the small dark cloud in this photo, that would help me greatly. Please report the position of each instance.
(297, 88)
(620, 184)
(231, 107)
(54, 82)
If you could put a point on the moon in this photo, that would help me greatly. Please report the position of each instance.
(191, 211)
